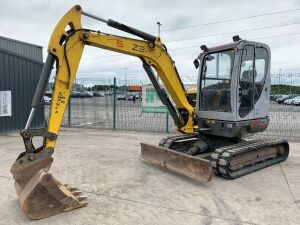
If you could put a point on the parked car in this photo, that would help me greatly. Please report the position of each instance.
(139, 95)
(288, 101)
(48, 94)
(87, 94)
(282, 99)
(121, 97)
(75, 94)
(108, 93)
(98, 94)
(133, 97)
(46, 100)
(285, 97)
(130, 97)
(296, 101)
(272, 97)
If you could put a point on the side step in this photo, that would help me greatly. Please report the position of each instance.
(194, 167)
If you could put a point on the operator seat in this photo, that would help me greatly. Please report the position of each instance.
(246, 83)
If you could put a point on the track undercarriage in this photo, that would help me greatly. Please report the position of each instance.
(229, 158)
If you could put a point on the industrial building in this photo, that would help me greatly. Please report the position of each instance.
(20, 67)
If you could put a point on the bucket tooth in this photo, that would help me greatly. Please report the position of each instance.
(81, 198)
(72, 189)
(40, 194)
(193, 167)
(75, 193)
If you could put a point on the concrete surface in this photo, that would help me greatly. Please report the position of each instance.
(121, 189)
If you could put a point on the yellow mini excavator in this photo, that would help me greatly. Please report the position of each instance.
(232, 99)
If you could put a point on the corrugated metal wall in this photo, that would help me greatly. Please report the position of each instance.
(20, 75)
(24, 49)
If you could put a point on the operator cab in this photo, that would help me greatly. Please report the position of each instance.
(234, 86)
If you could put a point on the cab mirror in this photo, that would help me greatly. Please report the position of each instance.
(196, 63)
(209, 58)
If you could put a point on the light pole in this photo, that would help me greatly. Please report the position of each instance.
(125, 75)
(290, 75)
(279, 79)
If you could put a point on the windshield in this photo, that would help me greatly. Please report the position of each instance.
(216, 81)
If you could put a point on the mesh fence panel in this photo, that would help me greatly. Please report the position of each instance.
(98, 111)
(129, 110)
(284, 112)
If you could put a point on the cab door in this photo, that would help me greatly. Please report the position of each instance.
(246, 84)
(215, 98)
(262, 82)
(254, 83)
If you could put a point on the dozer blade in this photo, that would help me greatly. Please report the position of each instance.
(193, 167)
(40, 194)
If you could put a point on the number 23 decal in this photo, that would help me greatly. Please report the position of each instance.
(138, 48)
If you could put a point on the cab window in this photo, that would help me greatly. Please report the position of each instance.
(261, 63)
(216, 81)
(252, 77)
(246, 81)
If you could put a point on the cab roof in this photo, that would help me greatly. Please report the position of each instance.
(236, 44)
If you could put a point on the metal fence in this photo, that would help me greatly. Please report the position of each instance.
(107, 112)
(122, 114)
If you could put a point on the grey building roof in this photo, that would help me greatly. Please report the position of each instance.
(30, 51)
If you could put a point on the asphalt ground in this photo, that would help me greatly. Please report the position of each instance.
(122, 189)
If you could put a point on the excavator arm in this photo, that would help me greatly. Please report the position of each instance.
(40, 194)
(66, 47)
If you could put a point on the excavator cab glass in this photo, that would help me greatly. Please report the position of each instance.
(216, 81)
(234, 82)
(234, 87)
(252, 77)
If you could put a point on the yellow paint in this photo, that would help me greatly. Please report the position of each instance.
(156, 57)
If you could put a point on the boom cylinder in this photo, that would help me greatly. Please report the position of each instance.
(131, 30)
(41, 87)
(122, 27)
(44, 78)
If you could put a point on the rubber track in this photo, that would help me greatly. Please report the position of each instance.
(221, 157)
(168, 141)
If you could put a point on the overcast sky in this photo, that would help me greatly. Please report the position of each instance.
(33, 21)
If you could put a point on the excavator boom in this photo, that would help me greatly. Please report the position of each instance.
(40, 194)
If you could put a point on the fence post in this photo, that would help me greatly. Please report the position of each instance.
(114, 103)
(167, 122)
(69, 111)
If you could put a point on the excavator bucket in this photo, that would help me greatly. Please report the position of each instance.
(40, 194)
(194, 167)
